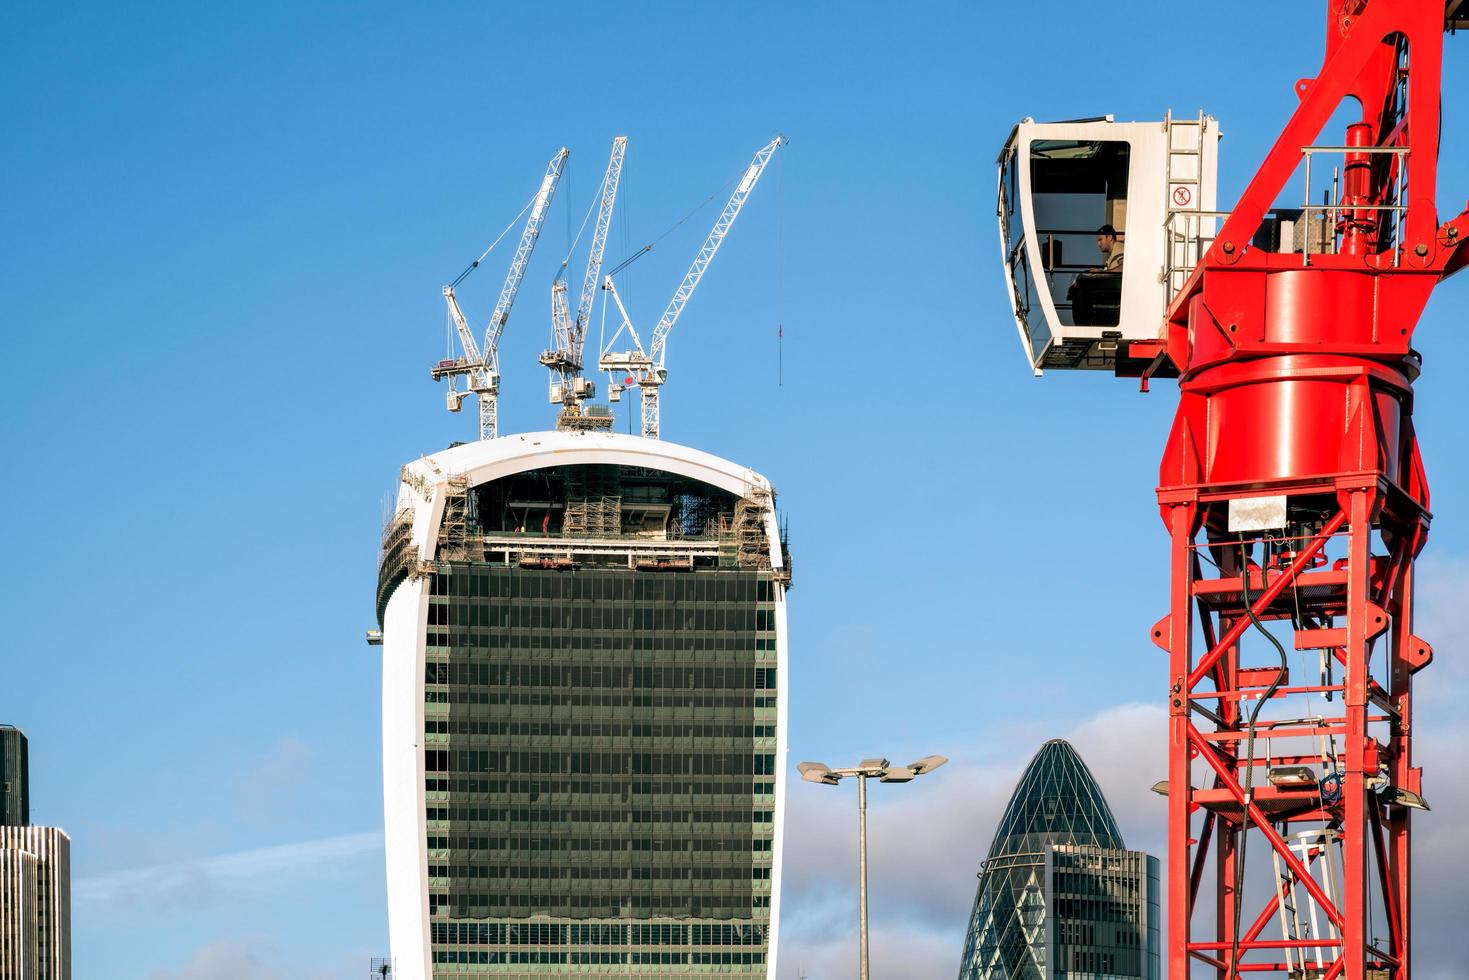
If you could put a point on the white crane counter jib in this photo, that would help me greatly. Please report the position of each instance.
(1100, 222)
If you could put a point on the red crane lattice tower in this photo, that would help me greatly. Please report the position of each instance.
(1295, 373)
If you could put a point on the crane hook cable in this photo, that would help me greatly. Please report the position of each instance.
(513, 222)
(596, 201)
(674, 227)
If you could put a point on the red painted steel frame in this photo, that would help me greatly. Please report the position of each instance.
(1296, 377)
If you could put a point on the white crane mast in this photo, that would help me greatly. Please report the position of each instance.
(482, 365)
(568, 334)
(647, 367)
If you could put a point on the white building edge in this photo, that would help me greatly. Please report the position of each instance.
(425, 484)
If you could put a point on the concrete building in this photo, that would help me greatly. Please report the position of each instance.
(15, 790)
(1059, 896)
(35, 904)
(584, 650)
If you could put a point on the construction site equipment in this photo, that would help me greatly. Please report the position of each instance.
(1296, 504)
(1154, 183)
(646, 368)
(593, 502)
(481, 366)
(569, 334)
(752, 540)
(457, 523)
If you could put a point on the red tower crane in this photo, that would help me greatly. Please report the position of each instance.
(1291, 488)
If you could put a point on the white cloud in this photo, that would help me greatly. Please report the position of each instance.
(253, 958)
(231, 959)
(895, 953)
(186, 882)
(926, 839)
(266, 788)
(1442, 618)
(925, 842)
(1440, 855)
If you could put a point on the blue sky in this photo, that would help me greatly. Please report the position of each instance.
(225, 230)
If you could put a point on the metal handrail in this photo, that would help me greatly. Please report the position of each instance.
(1195, 244)
(1335, 208)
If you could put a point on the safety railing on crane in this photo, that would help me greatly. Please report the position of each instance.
(1336, 214)
(1311, 229)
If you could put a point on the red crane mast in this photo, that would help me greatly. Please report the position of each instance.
(1296, 504)
(1295, 377)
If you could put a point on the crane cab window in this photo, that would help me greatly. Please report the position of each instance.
(1079, 196)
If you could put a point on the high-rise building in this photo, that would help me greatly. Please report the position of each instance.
(15, 791)
(35, 904)
(1059, 896)
(583, 715)
(18, 920)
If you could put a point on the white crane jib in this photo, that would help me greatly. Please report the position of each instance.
(647, 368)
(482, 365)
(569, 334)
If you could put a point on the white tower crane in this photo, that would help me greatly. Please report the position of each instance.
(568, 388)
(482, 368)
(646, 368)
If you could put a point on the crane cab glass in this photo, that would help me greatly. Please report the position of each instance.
(1084, 209)
(1079, 193)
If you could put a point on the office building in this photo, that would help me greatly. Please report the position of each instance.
(583, 641)
(15, 790)
(35, 904)
(1060, 897)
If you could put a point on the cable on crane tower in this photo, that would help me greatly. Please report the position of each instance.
(780, 274)
(571, 249)
(513, 222)
(1266, 695)
(719, 191)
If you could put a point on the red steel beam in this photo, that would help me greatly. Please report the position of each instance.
(1262, 824)
(1264, 599)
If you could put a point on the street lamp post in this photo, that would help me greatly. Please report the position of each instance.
(880, 769)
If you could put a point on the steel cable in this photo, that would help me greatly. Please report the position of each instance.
(1239, 864)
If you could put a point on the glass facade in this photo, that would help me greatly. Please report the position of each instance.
(1059, 896)
(15, 807)
(600, 693)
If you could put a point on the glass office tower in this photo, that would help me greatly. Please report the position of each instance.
(583, 642)
(1059, 896)
(15, 805)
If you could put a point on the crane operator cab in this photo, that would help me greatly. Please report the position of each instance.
(1100, 223)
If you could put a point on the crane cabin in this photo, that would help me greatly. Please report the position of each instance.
(1100, 224)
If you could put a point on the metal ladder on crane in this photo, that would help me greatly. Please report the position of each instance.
(1297, 925)
(1189, 229)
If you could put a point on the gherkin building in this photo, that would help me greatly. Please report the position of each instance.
(1059, 894)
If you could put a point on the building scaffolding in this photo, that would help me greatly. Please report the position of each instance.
(593, 502)
(752, 543)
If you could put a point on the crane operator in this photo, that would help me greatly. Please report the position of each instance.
(1110, 248)
(1096, 293)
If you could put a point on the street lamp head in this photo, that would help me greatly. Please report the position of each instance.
(927, 764)
(873, 764)
(898, 774)
(818, 772)
(1405, 797)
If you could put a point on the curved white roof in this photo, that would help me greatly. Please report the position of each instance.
(425, 479)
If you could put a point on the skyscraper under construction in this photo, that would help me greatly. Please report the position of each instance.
(583, 716)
